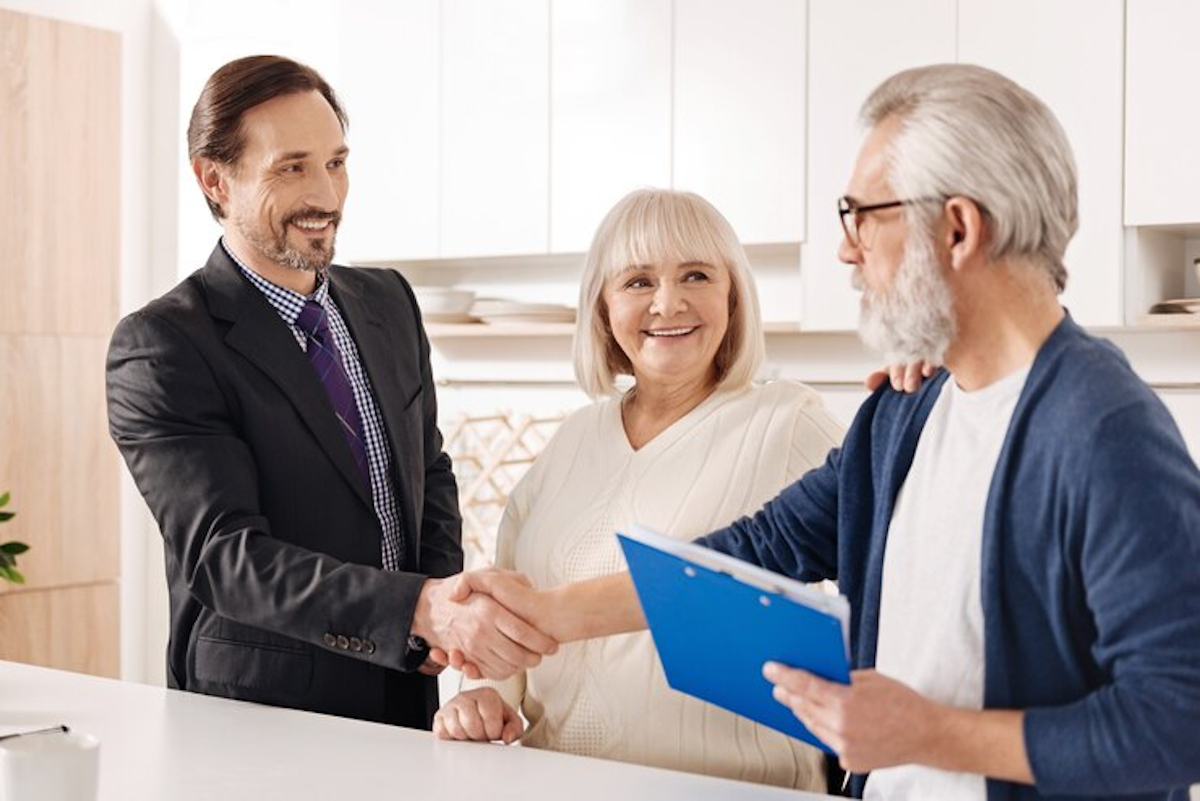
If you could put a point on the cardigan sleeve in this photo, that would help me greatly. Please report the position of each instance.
(1137, 549)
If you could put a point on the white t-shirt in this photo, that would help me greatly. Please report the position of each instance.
(931, 615)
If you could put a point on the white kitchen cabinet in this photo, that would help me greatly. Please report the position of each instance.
(738, 129)
(1162, 117)
(610, 101)
(495, 127)
(1080, 79)
(852, 47)
(388, 84)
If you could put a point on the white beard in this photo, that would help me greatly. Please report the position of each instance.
(913, 320)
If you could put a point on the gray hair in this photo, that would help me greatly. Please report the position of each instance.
(653, 226)
(968, 131)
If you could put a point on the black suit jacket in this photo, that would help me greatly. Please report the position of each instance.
(273, 553)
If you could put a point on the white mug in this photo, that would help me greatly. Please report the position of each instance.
(50, 767)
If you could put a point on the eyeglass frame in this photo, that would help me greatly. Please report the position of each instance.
(847, 206)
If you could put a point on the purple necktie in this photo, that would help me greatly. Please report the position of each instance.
(327, 361)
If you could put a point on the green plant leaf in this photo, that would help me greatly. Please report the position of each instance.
(7, 516)
(4, 498)
(14, 548)
(11, 574)
(6, 560)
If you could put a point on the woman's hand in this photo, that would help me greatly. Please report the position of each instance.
(903, 377)
(480, 715)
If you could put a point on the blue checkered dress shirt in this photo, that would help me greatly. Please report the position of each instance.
(379, 457)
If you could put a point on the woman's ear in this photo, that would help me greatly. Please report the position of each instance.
(964, 236)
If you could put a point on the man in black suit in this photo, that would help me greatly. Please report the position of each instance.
(278, 416)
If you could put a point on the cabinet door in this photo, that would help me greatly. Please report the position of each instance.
(610, 110)
(739, 112)
(1080, 79)
(495, 127)
(852, 47)
(1162, 117)
(388, 84)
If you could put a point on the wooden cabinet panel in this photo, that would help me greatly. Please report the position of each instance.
(1080, 78)
(738, 102)
(60, 107)
(59, 176)
(58, 460)
(69, 628)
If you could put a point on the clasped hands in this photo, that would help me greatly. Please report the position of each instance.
(487, 623)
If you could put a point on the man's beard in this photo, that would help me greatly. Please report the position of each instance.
(913, 320)
(314, 257)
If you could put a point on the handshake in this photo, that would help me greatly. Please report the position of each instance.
(487, 623)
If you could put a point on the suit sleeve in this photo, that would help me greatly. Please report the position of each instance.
(1137, 547)
(175, 429)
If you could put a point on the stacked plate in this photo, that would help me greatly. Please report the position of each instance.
(1177, 306)
(503, 312)
(445, 304)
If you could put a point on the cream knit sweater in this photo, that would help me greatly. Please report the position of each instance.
(607, 697)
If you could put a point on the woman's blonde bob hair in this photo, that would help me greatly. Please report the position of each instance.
(656, 226)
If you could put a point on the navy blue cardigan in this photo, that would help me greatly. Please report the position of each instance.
(1090, 566)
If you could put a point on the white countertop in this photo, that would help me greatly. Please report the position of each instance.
(164, 744)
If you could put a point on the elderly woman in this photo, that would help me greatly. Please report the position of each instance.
(687, 447)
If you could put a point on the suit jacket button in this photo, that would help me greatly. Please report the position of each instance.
(330, 640)
(343, 642)
(368, 646)
(356, 644)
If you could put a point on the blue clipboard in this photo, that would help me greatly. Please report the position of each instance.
(715, 620)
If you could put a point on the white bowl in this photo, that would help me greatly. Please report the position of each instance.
(443, 300)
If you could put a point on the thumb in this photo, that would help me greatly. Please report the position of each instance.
(513, 727)
(460, 587)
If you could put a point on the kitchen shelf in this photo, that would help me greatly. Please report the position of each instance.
(469, 330)
(465, 330)
(1170, 322)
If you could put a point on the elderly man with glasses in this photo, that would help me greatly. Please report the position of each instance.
(1019, 538)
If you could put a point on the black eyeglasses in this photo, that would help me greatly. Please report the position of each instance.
(849, 213)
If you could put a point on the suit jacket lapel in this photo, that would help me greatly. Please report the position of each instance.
(379, 344)
(260, 335)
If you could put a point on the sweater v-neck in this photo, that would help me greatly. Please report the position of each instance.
(669, 435)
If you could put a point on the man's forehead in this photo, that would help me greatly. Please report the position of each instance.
(294, 123)
(870, 175)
